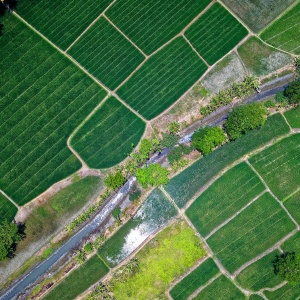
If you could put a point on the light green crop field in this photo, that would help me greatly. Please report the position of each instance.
(7, 209)
(215, 33)
(226, 196)
(253, 231)
(61, 22)
(106, 138)
(278, 165)
(284, 32)
(162, 79)
(293, 117)
(194, 280)
(260, 274)
(151, 24)
(222, 289)
(106, 53)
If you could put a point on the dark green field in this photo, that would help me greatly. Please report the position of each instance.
(215, 33)
(186, 184)
(61, 22)
(163, 79)
(108, 135)
(293, 117)
(292, 204)
(287, 292)
(7, 209)
(292, 244)
(226, 196)
(106, 54)
(198, 277)
(151, 24)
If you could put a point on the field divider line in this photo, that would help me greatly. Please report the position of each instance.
(291, 195)
(233, 216)
(285, 119)
(275, 288)
(93, 22)
(268, 189)
(9, 199)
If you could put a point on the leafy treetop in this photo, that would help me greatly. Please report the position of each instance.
(154, 175)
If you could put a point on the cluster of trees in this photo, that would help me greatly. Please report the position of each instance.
(292, 92)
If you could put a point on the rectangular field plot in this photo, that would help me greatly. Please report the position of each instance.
(292, 244)
(292, 204)
(279, 166)
(79, 280)
(226, 196)
(41, 104)
(222, 289)
(257, 14)
(293, 117)
(106, 138)
(185, 185)
(287, 292)
(163, 79)
(194, 280)
(215, 33)
(260, 274)
(106, 54)
(253, 231)
(61, 22)
(150, 24)
(284, 33)
(155, 212)
(7, 209)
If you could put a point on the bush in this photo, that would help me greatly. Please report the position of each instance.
(155, 175)
(169, 140)
(293, 92)
(114, 181)
(177, 153)
(206, 139)
(245, 118)
(269, 104)
(174, 127)
(116, 212)
(88, 248)
(134, 195)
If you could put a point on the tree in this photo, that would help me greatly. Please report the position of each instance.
(287, 266)
(116, 212)
(114, 180)
(154, 175)
(206, 139)
(145, 148)
(9, 236)
(174, 127)
(293, 92)
(245, 118)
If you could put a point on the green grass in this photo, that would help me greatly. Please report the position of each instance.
(151, 24)
(292, 244)
(106, 54)
(255, 297)
(279, 166)
(260, 274)
(171, 253)
(287, 292)
(292, 204)
(215, 33)
(257, 14)
(79, 280)
(155, 212)
(222, 289)
(185, 185)
(224, 198)
(198, 277)
(284, 33)
(7, 209)
(253, 231)
(41, 104)
(61, 22)
(261, 59)
(107, 136)
(163, 79)
(293, 117)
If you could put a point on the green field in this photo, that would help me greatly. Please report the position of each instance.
(155, 212)
(41, 105)
(293, 117)
(171, 253)
(292, 244)
(226, 196)
(284, 33)
(260, 274)
(278, 165)
(61, 22)
(106, 54)
(257, 14)
(260, 226)
(292, 204)
(287, 292)
(106, 138)
(255, 297)
(215, 33)
(79, 280)
(163, 79)
(151, 24)
(194, 280)
(222, 289)
(186, 184)
(7, 209)
(261, 59)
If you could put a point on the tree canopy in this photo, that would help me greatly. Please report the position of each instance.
(154, 175)
(114, 180)
(245, 118)
(293, 92)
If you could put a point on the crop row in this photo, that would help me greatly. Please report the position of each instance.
(7, 209)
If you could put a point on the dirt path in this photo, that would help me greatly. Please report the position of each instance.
(11, 200)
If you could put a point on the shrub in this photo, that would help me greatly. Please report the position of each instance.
(177, 153)
(169, 140)
(88, 248)
(154, 175)
(145, 148)
(114, 181)
(134, 195)
(116, 212)
(174, 127)
(269, 104)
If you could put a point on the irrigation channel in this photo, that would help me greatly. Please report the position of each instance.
(217, 117)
